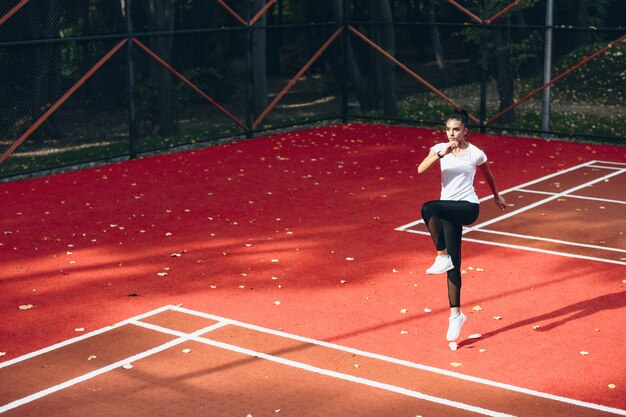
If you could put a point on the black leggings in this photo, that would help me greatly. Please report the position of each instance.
(445, 220)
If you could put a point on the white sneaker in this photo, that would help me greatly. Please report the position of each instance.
(441, 265)
(454, 327)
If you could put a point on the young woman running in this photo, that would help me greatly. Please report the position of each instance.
(457, 207)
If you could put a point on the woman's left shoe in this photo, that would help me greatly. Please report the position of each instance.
(454, 327)
(443, 263)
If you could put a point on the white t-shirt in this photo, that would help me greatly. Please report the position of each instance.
(457, 173)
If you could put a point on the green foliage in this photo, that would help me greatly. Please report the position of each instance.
(600, 81)
(210, 80)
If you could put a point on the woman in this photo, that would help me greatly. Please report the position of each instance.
(458, 206)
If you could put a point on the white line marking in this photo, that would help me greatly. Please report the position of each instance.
(509, 190)
(82, 337)
(545, 239)
(182, 339)
(528, 248)
(540, 202)
(406, 363)
(581, 197)
(329, 373)
(552, 196)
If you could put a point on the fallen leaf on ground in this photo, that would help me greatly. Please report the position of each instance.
(477, 308)
(497, 317)
(612, 386)
(456, 364)
(25, 307)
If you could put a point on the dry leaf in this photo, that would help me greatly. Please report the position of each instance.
(427, 310)
(162, 274)
(584, 353)
(475, 336)
(128, 366)
(91, 357)
(477, 308)
(187, 350)
(404, 311)
(79, 329)
(497, 317)
(612, 386)
(456, 364)
(25, 307)
(536, 326)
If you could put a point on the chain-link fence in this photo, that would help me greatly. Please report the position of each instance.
(96, 80)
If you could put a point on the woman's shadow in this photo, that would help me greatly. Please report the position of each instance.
(563, 315)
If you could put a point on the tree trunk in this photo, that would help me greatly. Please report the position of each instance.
(46, 80)
(436, 39)
(353, 72)
(504, 73)
(385, 69)
(161, 17)
(259, 64)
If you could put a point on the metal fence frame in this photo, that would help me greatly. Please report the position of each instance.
(250, 126)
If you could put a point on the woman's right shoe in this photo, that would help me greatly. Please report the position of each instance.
(454, 326)
(443, 263)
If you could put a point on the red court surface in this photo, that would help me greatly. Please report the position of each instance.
(215, 366)
(294, 239)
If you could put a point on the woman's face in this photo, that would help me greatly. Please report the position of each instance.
(455, 130)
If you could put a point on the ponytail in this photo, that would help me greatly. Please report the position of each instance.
(459, 114)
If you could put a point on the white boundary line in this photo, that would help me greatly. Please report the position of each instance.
(82, 337)
(580, 197)
(509, 190)
(546, 239)
(221, 321)
(545, 200)
(407, 363)
(333, 374)
(552, 196)
(529, 248)
(105, 369)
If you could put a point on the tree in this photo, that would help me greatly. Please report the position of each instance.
(259, 63)
(384, 82)
(161, 17)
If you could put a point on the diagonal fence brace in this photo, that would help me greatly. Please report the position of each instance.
(408, 70)
(295, 79)
(60, 101)
(189, 83)
(557, 78)
(13, 10)
(240, 19)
